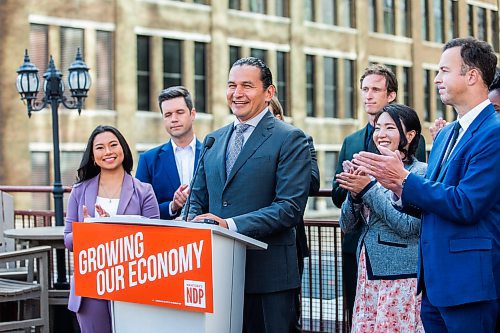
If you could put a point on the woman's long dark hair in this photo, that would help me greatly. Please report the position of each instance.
(404, 114)
(88, 169)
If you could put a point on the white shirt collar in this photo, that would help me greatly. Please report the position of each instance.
(467, 119)
(254, 121)
(192, 144)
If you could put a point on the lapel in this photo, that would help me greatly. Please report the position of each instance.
(168, 167)
(197, 153)
(91, 191)
(260, 134)
(125, 194)
(221, 152)
(476, 124)
(440, 150)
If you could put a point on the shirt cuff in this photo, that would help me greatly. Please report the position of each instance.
(397, 201)
(231, 225)
(172, 213)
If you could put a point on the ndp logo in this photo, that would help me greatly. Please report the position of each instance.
(194, 293)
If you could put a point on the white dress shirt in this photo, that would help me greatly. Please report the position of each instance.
(184, 160)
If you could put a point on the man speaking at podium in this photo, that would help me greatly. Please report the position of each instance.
(255, 180)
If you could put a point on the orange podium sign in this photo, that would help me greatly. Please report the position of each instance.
(155, 265)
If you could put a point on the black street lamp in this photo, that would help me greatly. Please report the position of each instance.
(28, 85)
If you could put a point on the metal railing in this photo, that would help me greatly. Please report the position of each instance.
(321, 296)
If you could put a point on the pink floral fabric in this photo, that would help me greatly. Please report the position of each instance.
(385, 305)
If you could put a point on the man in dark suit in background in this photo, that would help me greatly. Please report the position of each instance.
(379, 87)
(255, 180)
(459, 201)
(169, 168)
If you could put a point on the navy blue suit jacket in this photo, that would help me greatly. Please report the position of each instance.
(157, 167)
(459, 255)
(265, 194)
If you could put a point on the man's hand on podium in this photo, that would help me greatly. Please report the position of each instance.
(221, 221)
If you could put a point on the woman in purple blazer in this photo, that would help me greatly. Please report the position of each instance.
(104, 188)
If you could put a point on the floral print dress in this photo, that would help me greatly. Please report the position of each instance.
(385, 305)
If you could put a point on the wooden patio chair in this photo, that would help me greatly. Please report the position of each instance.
(24, 292)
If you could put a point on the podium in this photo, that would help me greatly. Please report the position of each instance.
(177, 276)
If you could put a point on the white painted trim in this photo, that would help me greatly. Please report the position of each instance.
(259, 16)
(328, 147)
(330, 53)
(394, 38)
(257, 44)
(70, 23)
(390, 61)
(186, 5)
(433, 67)
(482, 4)
(331, 121)
(173, 34)
(64, 146)
(330, 27)
(429, 43)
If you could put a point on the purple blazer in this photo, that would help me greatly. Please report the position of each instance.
(136, 198)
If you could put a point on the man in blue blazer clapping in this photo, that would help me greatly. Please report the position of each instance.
(169, 168)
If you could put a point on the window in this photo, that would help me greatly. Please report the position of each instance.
(258, 6)
(452, 19)
(200, 77)
(281, 8)
(143, 75)
(407, 86)
(330, 86)
(427, 95)
(259, 53)
(424, 8)
(346, 13)
(481, 24)
(404, 18)
(172, 72)
(437, 11)
(104, 71)
(282, 80)
(389, 22)
(234, 4)
(440, 107)
(234, 54)
(38, 51)
(331, 159)
(309, 10)
(470, 20)
(310, 95)
(71, 40)
(372, 15)
(349, 89)
(494, 31)
(329, 11)
(40, 177)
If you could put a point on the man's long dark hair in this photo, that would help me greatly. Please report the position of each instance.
(88, 169)
(404, 114)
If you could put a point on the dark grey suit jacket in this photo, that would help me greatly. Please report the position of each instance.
(265, 194)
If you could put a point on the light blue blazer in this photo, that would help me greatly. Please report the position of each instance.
(459, 244)
(390, 236)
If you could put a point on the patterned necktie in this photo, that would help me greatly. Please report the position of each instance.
(451, 144)
(235, 148)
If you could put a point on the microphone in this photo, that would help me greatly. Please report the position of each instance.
(208, 144)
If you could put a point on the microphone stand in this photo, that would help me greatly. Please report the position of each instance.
(208, 144)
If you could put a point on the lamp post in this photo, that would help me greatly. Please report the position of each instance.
(28, 85)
